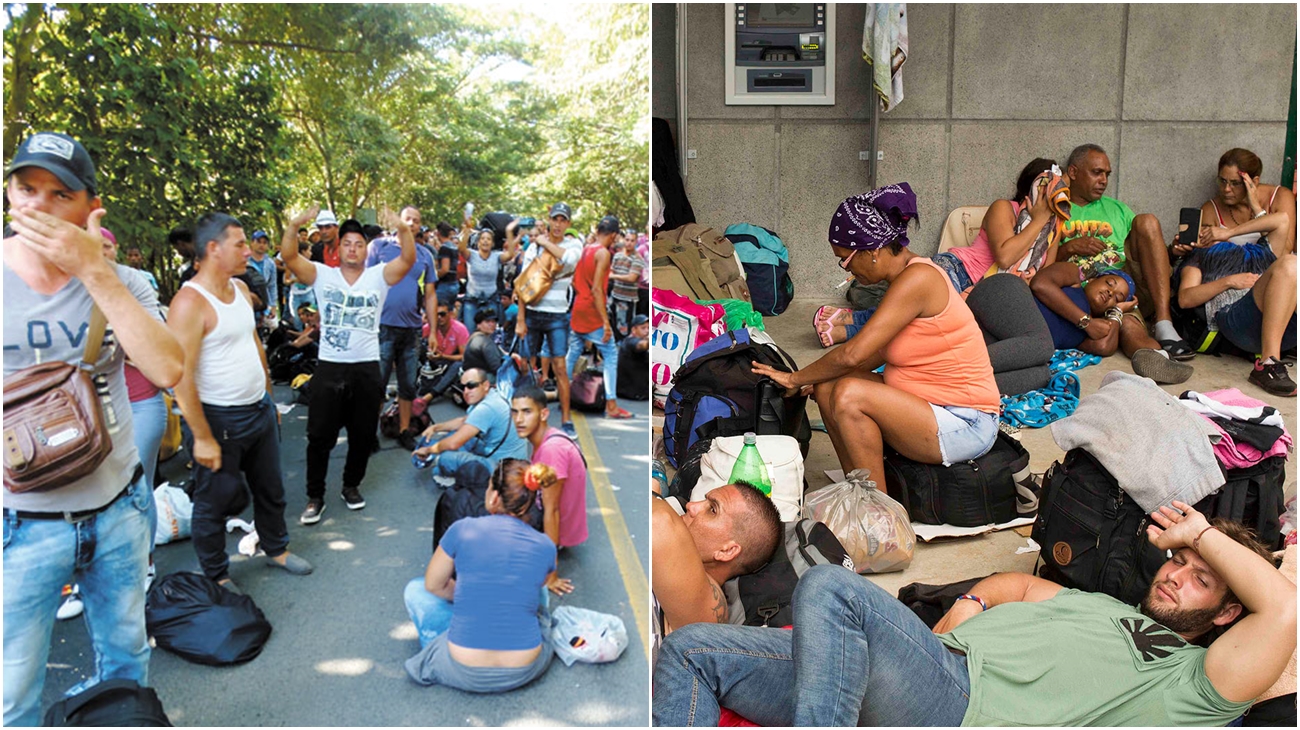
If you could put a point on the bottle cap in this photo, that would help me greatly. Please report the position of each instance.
(750, 437)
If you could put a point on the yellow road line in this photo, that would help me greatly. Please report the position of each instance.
(629, 565)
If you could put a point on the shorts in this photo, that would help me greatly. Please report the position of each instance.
(964, 433)
(548, 333)
(1243, 325)
(955, 269)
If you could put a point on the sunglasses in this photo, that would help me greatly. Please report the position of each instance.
(844, 262)
(442, 314)
(472, 384)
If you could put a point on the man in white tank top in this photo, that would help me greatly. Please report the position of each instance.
(225, 395)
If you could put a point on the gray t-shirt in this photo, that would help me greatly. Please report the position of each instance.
(39, 328)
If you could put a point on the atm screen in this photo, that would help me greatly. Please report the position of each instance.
(782, 15)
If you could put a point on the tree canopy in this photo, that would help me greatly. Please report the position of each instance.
(255, 109)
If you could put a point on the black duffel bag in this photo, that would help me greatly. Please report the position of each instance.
(1093, 536)
(967, 494)
(111, 703)
(191, 616)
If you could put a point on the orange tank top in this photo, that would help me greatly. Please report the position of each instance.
(943, 358)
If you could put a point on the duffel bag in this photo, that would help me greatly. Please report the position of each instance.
(971, 493)
(762, 598)
(784, 464)
(767, 266)
(110, 703)
(587, 391)
(716, 393)
(1093, 536)
(192, 616)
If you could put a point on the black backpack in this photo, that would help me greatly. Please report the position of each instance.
(1093, 536)
(715, 393)
(764, 596)
(111, 703)
(967, 494)
(1253, 497)
(688, 471)
(191, 616)
(468, 498)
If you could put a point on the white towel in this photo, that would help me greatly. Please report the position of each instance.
(884, 47)
(1156, 448)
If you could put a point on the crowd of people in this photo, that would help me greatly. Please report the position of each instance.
(1059, 265)
(339, 309)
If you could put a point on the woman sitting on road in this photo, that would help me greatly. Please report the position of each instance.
(1094, 316)
(487, 629)
(484, 265)
(937, 402)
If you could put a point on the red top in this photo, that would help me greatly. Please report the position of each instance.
(585, 316)
(138, 387)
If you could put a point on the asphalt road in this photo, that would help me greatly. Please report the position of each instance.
(341, 634)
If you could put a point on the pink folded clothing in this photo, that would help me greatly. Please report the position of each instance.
(1230, 403)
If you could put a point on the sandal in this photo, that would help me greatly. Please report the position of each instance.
(620, 414)
(1178, 350)
(827, 313)
(824, 333)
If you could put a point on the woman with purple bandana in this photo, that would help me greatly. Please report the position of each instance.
(937, 402)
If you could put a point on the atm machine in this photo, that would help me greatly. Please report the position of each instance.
(780, 53)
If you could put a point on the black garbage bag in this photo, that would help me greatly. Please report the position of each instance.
(191, 616)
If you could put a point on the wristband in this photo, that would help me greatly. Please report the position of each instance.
(983, 606)
(1083, 322)
(1259, 215)
(1196, 544)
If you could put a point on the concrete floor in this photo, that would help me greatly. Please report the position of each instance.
(950, 560)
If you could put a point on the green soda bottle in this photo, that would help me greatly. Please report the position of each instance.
(750, 467)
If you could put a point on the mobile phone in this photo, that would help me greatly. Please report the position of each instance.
(1189, 226)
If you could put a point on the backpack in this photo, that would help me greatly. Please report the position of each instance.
(715, 393)
(1252, 496)
(468, 498)
(970, 493)
(1093, 536)
(111, 703)
(763, 598)
(767, 267)
(587, 389)
(688, 471)
(781, 457)
(390, 423)
(697, 262)
(497, 222)
(191, 616)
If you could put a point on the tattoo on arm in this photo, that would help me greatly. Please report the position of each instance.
(720, 612)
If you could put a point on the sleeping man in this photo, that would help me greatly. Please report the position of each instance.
(1016, 650)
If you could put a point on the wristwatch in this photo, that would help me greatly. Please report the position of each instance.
(1084, 321)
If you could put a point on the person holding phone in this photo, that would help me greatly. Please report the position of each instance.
(1241, 198)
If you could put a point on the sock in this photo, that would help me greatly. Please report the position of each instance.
(1164, 330)
(1162, 352)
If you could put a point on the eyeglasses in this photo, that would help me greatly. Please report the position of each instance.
(442, 314)
(844, 262)
(471, 384)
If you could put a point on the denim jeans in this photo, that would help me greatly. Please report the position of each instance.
(469, 308)
(548, 333)
(106, 555)
(856, 656)
(608, 355)
(400, 344)
(250, 449)
(447, 293)
(343, 395)
(149, 420)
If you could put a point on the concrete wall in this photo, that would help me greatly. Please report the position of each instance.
(988, 88)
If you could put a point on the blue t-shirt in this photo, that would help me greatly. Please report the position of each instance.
(501, 565)
(402, 307)
(491, 416)
(1066, 335)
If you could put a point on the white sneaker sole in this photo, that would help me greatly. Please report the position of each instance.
(312, 520)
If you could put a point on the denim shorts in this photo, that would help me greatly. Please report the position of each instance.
(955, 270)
(964, 433)
(1243, 325)
(548, 333)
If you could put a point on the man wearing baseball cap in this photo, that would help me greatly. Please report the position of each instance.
(546, 322)
(327, 250)
(93, 530)
(590, 319)
(265, 264)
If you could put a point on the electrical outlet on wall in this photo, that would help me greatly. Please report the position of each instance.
(880, 155)
(690, 154)
(864, 155)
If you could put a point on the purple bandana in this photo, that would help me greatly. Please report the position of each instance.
(875, 219)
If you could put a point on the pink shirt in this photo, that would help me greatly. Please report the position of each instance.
(455, 336)
(978, 256)
(559, 451)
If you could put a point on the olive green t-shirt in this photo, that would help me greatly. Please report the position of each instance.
(1083, 658)
(1107, 220)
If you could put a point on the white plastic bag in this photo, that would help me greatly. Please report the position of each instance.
(784, 463)
(174, 512)
(873, 528)
(582, 635)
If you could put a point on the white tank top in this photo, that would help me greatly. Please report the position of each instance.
(230, 370)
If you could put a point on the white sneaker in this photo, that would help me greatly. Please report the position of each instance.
(72, 606)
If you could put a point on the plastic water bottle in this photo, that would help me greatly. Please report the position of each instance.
(750, 467)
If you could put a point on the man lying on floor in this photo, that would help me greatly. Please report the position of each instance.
(1017, 650)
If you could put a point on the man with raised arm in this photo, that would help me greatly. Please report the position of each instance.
(346, 387)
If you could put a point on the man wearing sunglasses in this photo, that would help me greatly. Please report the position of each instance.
(486, 433)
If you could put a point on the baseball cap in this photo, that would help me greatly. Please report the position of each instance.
(608, 224)
(61, 155)
(484, 315)
(307, 306)
(326, 218)
(639, 320)
(260, 234)
(561, 209)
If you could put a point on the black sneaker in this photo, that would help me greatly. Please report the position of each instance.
(407, 439)
(352, 496)
(1274, 378)
(311, 515)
